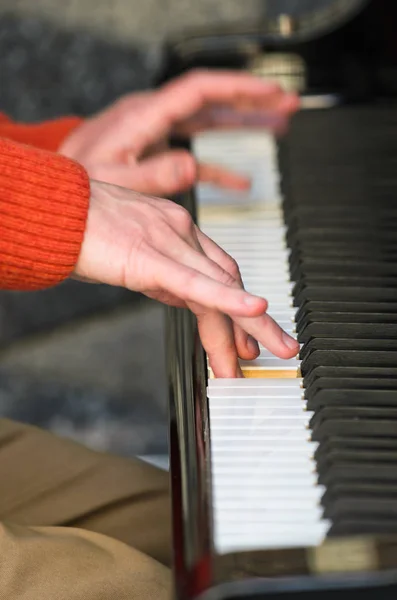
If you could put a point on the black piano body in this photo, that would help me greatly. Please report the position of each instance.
(349, 53)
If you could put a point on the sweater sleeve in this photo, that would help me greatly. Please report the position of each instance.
(43, 209)
(47, 135)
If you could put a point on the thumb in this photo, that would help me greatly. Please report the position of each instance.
(164, 174)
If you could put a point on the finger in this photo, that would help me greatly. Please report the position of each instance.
(247, 347)
(165, 174)
(190, 285)
(218, 265)
(270, 335)
(186, 95)
(263, 328)
(246, 310)
(222, 177)
(217, 337)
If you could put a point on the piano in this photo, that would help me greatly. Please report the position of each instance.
(284, 483)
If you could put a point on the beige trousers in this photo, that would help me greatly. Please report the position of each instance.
(77, 524)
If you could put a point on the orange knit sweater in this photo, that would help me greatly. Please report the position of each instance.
(43, 205)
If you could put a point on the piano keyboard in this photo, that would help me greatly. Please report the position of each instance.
(251, 229)
(302, 450)
(265, 493)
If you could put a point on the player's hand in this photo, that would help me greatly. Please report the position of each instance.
(126, 144)
(152, 246)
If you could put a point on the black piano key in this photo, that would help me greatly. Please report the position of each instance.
(309, 317)
(370, 455)
(346, 344)
(315, 306)
(355, 413)
(351, 397)
(323, 221)
(337, 317)
(367, 489)
(311, 216)
(323, 279)
(363, 462)
(363, 268)
(363, 376)
(299, 255)
(348, 330)
(360, 525)
(340, 443)
(348, 358)
(317, 381)
(359, 238)
(320, 293)
(354, 427)
(361, 506)
(359, 471)
(357, 197)
(340, 235)
(301, 215)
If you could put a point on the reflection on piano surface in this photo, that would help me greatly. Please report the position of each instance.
(285, 483)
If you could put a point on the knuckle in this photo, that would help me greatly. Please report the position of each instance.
(186, 168)
(227, 279)
(182, 219)
(232, 267)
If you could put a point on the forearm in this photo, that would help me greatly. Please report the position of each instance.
(43, 209)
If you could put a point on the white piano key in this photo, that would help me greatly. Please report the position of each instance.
(241, 543)
(286, 538)
(268, 528)
(303, 459)
(273, 363)
(271, 422)
(277, 477)
(274, 516)
(227, 414)
(302, 454)
(232, 507)
(248, 397)
(260, 444)
(262, 491)
(242, 402)
(251, 453)
(252, 383)
(272, 436)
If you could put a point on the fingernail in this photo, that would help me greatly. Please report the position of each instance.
(252, 300)
(253, 345)
(290, 342)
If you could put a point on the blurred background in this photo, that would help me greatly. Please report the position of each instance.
(87, 361)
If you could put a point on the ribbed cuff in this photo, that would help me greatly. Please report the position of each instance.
(48, 135)
(44, 200)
